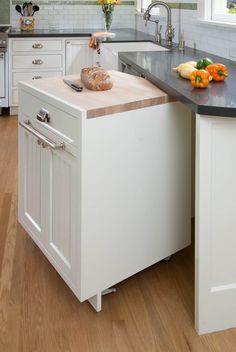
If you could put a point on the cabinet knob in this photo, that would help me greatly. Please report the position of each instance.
(37, 62)
(37, 46)
(39, 142)
(43, 116)
(37, 77)
(67, 42)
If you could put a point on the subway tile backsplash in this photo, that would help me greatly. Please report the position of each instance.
(70, 15)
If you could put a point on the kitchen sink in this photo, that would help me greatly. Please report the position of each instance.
(134, 46)
(109, 52)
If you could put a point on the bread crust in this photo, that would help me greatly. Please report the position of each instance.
(96, 78)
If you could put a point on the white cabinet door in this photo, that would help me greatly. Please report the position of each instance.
(32, 201)
(63, 202)
(2, 73)
(108, 58)
(215, 260)
(78, 55)
(49, 203)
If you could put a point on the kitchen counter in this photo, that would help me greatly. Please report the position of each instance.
(125, 34)
(219, 99)
(140, 94)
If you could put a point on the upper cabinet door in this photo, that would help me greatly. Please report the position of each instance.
(78, 56)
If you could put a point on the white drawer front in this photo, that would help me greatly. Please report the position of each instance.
(37, 61)
(60, 121)
(36, 45)
(26, 76)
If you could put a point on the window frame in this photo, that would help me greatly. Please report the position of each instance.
(206, 13)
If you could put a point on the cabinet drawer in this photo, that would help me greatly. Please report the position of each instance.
(26, 76)
(61, 123)
(36, 61)
(36, 45)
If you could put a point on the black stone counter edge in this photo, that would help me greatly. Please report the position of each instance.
(122, 35)
(199, 109)
(46, 35)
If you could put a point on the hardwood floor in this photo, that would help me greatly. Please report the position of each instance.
(151, 311)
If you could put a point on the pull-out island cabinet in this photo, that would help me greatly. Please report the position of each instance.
(104, 179)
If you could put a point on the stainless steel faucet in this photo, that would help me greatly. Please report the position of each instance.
(169, 28)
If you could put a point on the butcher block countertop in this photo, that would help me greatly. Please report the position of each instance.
(128, 93)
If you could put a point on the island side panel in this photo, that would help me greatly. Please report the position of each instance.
(215, 261)
(136, 182)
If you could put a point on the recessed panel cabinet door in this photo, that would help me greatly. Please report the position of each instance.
(32, 201)
(78, 56)
(62, 225)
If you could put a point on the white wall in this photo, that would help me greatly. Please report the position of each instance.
(215, 39)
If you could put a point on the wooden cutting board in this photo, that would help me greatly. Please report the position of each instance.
(128, 93)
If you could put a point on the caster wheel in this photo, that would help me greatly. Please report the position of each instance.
(167, 259)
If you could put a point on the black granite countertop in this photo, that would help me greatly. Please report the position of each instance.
(122, 35)
(218, 99)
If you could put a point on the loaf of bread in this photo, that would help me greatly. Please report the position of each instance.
(96, 78)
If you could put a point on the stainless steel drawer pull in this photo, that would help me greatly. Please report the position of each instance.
(37, 62)
(44, 140)
(37, 46)
(37, 77)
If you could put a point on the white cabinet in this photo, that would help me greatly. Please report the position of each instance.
(45, 57)
(34, 59)
(78, 55)
(116, 200)
(33, 176)
(62, 208)
(48, 200)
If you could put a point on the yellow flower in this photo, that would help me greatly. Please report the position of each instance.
(109, 2)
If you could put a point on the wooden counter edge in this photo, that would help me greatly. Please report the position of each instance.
(93, 113)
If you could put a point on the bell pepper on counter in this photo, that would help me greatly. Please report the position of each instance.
(203, 63)
(200, 78)
(218, 72)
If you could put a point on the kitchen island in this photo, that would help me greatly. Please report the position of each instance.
(104, 178)
(215, 188)
(215, 109)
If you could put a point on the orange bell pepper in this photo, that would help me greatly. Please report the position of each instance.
(200, 78)
(218, 72)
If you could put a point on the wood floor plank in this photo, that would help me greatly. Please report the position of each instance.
(152, 311)
(7, 267)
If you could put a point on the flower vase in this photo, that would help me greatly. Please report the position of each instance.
(107, 21)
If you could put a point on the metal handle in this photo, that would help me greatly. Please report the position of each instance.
(37, 77)
(41, 139)
(37, 46)
(37, 62)
(43, 115)
(129, 68)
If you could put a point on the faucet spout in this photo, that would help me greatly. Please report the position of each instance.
(169, 28)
